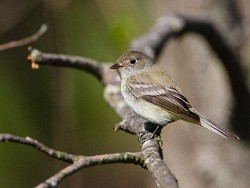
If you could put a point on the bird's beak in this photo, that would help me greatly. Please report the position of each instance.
(116, 66)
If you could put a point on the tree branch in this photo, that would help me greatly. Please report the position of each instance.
(78, 161)
(25, 41)
(164, 178)
(84, 162)
(39, 58)
(39, 146)
(152, 153)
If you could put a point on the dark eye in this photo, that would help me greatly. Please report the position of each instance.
(133, 60)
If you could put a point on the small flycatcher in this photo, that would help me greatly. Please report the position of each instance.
(155, 96)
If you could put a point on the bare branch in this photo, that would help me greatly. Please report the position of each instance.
(164, 178)
(153, 157)
(25, 41)
(83, 162)
(39, 58)
(153, 42)
(78, 161)
(39, 146)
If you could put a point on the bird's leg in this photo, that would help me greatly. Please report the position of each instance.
(148, 131)
(155, 131)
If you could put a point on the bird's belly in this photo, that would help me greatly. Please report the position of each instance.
(152, 113)
(148, 110)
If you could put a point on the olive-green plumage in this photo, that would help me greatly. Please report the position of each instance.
(155, 96)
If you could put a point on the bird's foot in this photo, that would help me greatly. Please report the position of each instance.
(150, 131)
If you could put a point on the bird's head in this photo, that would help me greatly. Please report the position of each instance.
(131, 62)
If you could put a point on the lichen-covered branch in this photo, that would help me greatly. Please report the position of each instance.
(153, 157)
(88, 161)
(63, 156)
(156, 166)
(78, 161)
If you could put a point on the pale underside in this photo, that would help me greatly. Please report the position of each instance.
(159, 103)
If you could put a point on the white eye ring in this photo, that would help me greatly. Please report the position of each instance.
(133, 60)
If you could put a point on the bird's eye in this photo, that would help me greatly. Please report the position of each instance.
(133, 60)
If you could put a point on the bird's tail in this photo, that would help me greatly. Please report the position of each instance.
(216, 128)
(204, 122)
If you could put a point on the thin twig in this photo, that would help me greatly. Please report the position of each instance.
(83, 162)
(25, 41)
(69, 158)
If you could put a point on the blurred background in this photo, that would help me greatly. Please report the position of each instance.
(65, 110)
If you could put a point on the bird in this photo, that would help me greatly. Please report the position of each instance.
(155, 96)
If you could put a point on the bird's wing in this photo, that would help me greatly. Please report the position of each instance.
(167, 98)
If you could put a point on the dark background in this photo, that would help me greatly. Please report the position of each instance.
(65, 110)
